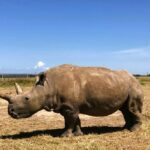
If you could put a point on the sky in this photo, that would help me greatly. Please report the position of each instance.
(38, 34)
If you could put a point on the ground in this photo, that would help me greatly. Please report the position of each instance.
(42, 130)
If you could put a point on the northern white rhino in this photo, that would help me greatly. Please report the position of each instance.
(70, 90)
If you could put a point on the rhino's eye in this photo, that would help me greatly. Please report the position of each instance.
(26, 98)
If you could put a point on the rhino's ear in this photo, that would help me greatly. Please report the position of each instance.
(40, 79)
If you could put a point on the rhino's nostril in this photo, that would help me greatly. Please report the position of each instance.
(12, 110)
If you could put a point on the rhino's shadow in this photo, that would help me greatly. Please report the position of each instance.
(57, 132)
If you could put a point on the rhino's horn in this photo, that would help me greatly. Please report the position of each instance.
(5, 97)
(18, 88)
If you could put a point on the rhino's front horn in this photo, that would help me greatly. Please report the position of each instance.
(5, 97)
(18, 88)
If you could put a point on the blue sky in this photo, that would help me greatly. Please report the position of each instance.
(37, 34)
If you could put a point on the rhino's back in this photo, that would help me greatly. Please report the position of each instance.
(84, 76)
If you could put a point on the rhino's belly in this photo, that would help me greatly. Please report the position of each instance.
(98, 112)
(100, 109)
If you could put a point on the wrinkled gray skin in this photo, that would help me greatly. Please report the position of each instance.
(70, 90)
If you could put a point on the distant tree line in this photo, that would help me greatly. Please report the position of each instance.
(139, 75)
(17, 75)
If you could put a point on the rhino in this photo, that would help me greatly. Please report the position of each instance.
(71, 90)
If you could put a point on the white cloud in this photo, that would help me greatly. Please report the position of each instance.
(46, 68)
(137, 51)
(135, 60)
(129, 51)
(40, 64)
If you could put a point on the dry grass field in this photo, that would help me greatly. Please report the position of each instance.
(42, 130)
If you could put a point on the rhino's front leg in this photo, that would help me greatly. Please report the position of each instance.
(72, 122)
(77, 128)
(69, 126)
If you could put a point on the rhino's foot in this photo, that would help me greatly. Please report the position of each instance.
(134, 127)
(67, 134)
(78, 133)
(77, 130)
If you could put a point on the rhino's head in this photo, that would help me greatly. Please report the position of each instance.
(24, 105)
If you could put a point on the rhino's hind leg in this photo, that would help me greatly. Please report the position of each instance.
(132, 113)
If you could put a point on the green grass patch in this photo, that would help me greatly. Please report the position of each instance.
(9, 82)
(144, 80)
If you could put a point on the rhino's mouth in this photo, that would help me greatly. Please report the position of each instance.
(19, 115)
(14, 115)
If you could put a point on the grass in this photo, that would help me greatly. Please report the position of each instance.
(10, 82)
(42, 130)
(144, 80)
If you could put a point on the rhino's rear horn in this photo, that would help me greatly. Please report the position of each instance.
(18, 89)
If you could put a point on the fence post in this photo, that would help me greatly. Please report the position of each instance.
(2, 77)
